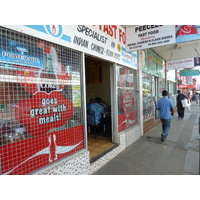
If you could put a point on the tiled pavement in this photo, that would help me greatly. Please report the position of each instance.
(177, 155)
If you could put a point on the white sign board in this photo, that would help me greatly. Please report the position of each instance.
(104, 41)
(180, 64)
(149, 36)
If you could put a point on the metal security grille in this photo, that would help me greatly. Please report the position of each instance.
(41, 118)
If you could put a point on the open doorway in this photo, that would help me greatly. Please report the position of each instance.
(98, 84)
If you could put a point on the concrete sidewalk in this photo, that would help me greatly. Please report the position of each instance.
(177, 155)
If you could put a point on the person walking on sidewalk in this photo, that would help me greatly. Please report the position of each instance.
(179, 105)
(166, 109)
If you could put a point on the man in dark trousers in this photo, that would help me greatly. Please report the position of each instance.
(179, 105)
(165, 108)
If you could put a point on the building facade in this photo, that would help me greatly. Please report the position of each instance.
(47, 76)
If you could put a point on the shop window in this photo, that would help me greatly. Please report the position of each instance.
(41, 117)
(161, 86)
(147, 95)
(172, 91)
(127, 98)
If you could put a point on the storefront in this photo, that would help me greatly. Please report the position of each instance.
(43, 118)
(127, 98)
(186, 81)
(172, 86)
(153, 80)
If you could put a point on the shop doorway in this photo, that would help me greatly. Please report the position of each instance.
(98, 84)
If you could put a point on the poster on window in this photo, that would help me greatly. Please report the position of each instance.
(129, 116)
(127, 103)
(38, 124)
(12, 52)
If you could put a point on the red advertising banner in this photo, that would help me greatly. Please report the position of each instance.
(37, 152)
(186, 86)
(129, 117)
(127, 120)
(37, 125)
(127, 101)
(44, 117)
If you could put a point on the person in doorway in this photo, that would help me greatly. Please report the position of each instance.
(96, 115)
(179, 105)
(95, 112)
(90, 102)
(165, 108)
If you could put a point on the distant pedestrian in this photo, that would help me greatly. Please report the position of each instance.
(189, 96)
(179, 105)
(166, 109)
(197, 97)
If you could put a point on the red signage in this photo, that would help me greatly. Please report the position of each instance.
(127, 120)
(186, 86)
(127, 101)
(129, 117)
(39, 151)
(40, 114)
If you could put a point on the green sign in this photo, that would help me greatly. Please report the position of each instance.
(189, 72)
(153, 64)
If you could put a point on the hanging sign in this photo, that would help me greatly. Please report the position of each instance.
(148, 36)
(186, 33)
(153, 64)
(180, 64)
(189, 72)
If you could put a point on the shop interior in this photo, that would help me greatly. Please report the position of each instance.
(98, 85)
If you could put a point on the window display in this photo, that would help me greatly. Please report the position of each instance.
(153, 68)
(161, 87)
(147, 81)
(40, 103)
(127, 98)
(172, 91)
